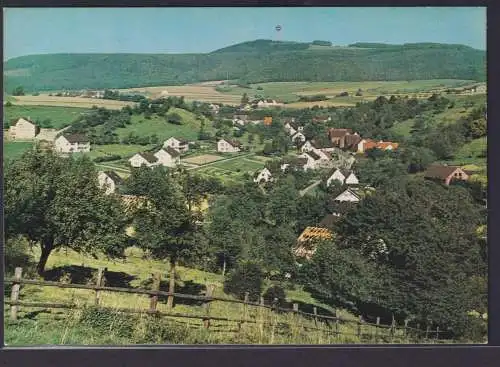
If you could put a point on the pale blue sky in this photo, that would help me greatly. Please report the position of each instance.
(187, 30)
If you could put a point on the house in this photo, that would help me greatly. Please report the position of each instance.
(344, 177)
(134, 202)
(238, 122)
(144, 158)
(240, 116)
(343, 138)
(24, 129)
(265, 103)
(168, 157)
(72, 143)
(366, 144)
(445, 174)
(348, 195)
(263, 176)
(298, 136)
(316, 146)
(109, 181)
(178, 144)
(292, 127)
(228, 146)
(302, 163)
(307, 242)
(312, 159)
(214, 108)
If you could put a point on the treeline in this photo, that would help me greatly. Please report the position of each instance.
(254, 62)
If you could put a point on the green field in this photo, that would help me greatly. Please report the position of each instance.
(58, 115)
(290, 91)
(164, 130)
(242, 165)
(125, 151)
(12, 150)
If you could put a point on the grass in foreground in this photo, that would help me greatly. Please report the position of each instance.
(89, 326)
(14, 149)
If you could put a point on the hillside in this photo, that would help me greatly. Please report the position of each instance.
(251, 62)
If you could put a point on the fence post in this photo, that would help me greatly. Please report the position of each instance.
(156, 287)
(14, 295)
(393, 325)
(337, 325)
(376, 329)
(99, 283)
(437, 333)
(206, 305)
(261, 317)
(275, 318)
(427, 333)
(406, 329)
(315, 311)
(359, 326)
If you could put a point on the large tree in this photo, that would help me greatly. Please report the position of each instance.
(165, 226)
(56, 202)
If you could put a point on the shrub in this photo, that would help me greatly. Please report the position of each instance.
(174, 118)
(8, 104)
(108, 322)
(273, 292)
(246, 277)
(107, 158)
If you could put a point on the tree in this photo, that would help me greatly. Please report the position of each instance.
(282, 205)
(165, 227)
(247, 277)
(18, 91)
(174, 118)
(244, 99)
(56, 202)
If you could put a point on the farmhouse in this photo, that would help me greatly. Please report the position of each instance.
(168, 157)
(109, 181)
(308, 240)
(263, 176)
(445, 174)
(265, 103)
(72, 143)
(214, 108)
(344, 177)
(228, 146)
(312, 160)
(23, 129)
(302, 163)
(144, 158)
(292, 127)
(179, 144)
(348, 195)
(238, 122)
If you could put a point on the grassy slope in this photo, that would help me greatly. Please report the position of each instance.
(157, 125)
(13, 149)
(58, 115)
(449, 116)
(138, 270)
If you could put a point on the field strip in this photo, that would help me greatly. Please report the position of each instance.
(114, 168)
(221, 160)
(44, 100)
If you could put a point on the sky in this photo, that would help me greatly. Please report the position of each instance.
(194, 30)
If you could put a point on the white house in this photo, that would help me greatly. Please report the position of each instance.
(168, 157)
(263, 176)
(299, 136)
(215, 108)
(109, 181)
(268, 103)
(144, 158)
(178, 144)
(72, 143)
(23, 129)
(238, 122)
(348, 195)
(347, 178)
(311, 160)
(228, 146)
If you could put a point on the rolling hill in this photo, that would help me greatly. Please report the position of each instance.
(249, 62)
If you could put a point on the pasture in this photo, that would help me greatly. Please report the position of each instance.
(164, 130)
(81, 102)
(242, 165)
(202, 159)
(125, 151)
(58, 115)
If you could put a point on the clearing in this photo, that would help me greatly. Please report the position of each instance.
(14, 149)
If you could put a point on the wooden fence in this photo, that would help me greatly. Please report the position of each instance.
(405, 331)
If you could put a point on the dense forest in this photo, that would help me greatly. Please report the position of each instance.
(254, 62)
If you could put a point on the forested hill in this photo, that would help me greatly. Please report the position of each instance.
(250, 62)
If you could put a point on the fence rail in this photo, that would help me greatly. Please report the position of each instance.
(206, 300)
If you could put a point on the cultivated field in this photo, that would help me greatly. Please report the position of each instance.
(196, 92)
(46, 100)
(202, 159)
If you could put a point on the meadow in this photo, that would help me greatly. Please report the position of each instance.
(67, 327)
(14, 149)
(59, 116)
(164, 130)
